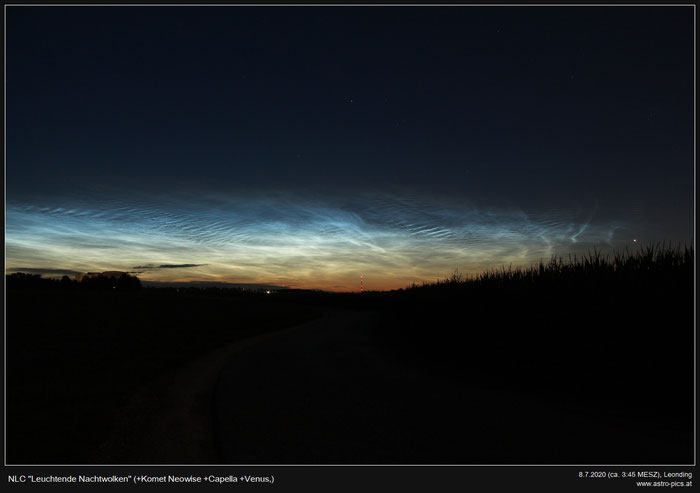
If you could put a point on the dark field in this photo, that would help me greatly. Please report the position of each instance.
(601, 341)
(74, 358)
(608, 339)
(596, 328)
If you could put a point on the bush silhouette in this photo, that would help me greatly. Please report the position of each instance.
(125, 282)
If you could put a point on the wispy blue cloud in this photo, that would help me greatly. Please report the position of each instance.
(282, 239)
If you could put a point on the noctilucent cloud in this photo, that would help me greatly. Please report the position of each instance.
(306, 146)
(295, 241)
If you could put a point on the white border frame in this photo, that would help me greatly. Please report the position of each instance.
(359, 5)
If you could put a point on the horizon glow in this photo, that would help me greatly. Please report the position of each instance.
(282, 239)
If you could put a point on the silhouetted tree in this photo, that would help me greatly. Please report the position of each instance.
(110, 283)
(128, 283)
(22, 280)
(67, 283)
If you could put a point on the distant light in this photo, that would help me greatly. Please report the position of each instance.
(267, 292)
(635, 240)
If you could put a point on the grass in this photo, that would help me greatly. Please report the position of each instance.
(654, 263)
(600, 330)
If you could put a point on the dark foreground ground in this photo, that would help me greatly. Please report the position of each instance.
(339, 396)
(573, 369)
(78, 362)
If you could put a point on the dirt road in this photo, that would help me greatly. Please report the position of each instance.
(328, 394)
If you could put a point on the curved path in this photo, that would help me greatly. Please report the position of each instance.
(169, 419)
(327, 394)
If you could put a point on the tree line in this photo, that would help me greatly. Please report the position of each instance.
(22, 280)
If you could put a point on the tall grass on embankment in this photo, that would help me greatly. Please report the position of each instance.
(655, 263)
(616, 326)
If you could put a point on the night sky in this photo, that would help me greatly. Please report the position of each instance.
(306, 146)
